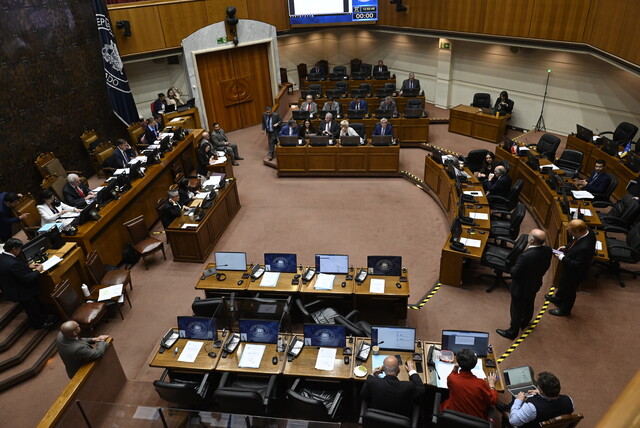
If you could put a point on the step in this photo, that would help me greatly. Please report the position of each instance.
(8, 310)
(21, 350)
(13, 332)
(32, 364)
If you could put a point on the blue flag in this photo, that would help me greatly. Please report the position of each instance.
(117, 84)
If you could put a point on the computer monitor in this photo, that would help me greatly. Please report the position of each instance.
(437, 156)
(455, 340)
(585, 134)
(165, 144)
(169, 108)
(135, 171)
(507, 143)
(413, 113)
(384, 92)
(385, 265)
(325, 335)
(107, 193)
(230, 261)
(356, 114)
(393, 338)
(610, 147)
(300, 114)
(314, 77)
(350, 140)
(304, 93)
(36, 248)
(456, 230)
(288, 140)
(87, 213)
(280, 262)
(332, 263)
(197, 328)
(319, 140)
(381, 140)
(55, 238)
(259, 331)
(633, 162)
(450, 169)
(413, 92)
(564, 202)
(533, 161)
(381, 112)
(381, 75)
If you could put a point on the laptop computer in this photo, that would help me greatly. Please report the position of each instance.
(518, 379)
(169, 108)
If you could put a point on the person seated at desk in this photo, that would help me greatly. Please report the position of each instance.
(204, 155)
(331, 105)
(503, 105)
(498, 183)
(75, 351)
(545, 403)
(389, 393)
(221, 143)
(380, 67)
(186, 192)
(171, 209)
(598, 181)
(160, 104)
(467, 393)
(410, 83)
(291, 128)
(307, 129)
(383, 128)
(75, 192)
(358, 104)
(309, 105)
(151, 131)
(389, 105)
(173, 96)
(51, 208)
(488, 166)
(318, 69)
(346, 130)
(123, 153)
(329, 126)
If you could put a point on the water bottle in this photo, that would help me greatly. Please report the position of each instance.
(85, 290)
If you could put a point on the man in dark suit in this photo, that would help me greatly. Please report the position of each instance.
(598, 181)
(499, 183)
(171, 209)
(221, 143)
(291, 129)
(575, 259)
(358, 104)
(76, 351)
(389, 393)
(383, 128)
(20, 283)
(270, 126)
(159, 104)
(151, 132)
(410, 83)
(380, 68)
(75, 192)
(8, 200)
(389, 105)
(123, 153)
(317, 69)
(329, 126)
(526, 280)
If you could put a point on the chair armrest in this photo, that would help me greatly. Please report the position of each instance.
(350, 326)
(504, 240)
(352, 314)
(336, 402)
(295, 384)
(415, 415)
(270, 389)
(436, 407)
(504, 213)
(165, 373)
(615, 229)
(497, 198)
(363, 408)
(605, 133)
(601, 204)
(204, 385)
(223, 380)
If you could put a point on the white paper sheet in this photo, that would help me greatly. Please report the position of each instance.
(598, 245)
(201, 195)
(97, 189)
(213, 181)
(471, 242)
(473, 192)
(584, 211)
(376, 286)
(109, 292)
(121, 171)
(51, 262)
(188, 225)
(219, 161)
(324, 282)
(176, 119)
(581, 194)
(552, 166)
(479, 216)
(190, 352)
(270, 279)
(252, 356)
(326, 358)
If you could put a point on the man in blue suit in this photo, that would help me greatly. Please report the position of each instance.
(123, 153)
(358, 104)
(383, 128)
(598, 181)
(291, 128)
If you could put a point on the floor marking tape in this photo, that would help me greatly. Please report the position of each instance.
(426, 298)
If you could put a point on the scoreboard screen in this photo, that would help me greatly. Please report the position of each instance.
(323, 12)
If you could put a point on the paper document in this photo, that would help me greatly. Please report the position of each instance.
(51, 262)
(201, 195)
(252, 355)
(444, 370)
(583, 211)
(97, 189)
(175, 119)
(471, 242)
(155, 145)
(219, 161)
(473, 192)
(479, 216)
(324, 282)
(377, 286)
(270, 279)
(326, 358)
(70, 215)
(523, 148)
(109, 292)
(189, 225)
(478, 371)
(598, 245)
(213, 181)
(552, 166)
(558, 252)
(190, 352)
(581, 194)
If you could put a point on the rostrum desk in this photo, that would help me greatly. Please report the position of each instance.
(406, 131)
(353, 83)
(470, 121)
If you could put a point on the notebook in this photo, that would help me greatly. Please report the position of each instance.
(519, 379)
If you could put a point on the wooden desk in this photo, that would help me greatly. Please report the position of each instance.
(71, 267)
(305, 364)
(409, 132)
(338, 161)
(230, 364)
(203, 363)
(284, 284)
(195, 244)
(229, 284)
(390, 306)
(191, 118)
(451, 261)
(404, 355)
(337, 289)
(108, 235)
(353, 84)
(226, 167)
(470, 121)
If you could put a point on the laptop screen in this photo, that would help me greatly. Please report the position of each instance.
(517, 375)
(197, 328)
(385, 265)
(325, 335)
(280, 262)
(259, 331)
(332, 263)
(231, 261)
(455, 340)
(394, 338)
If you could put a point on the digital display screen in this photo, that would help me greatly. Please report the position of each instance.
(231, 261)
(313, 12)
(385, 265)
(197, 328)
(325, 335)
(394, 338)
(332, 263)
(259, 331)
(280, 262)
(455, 340)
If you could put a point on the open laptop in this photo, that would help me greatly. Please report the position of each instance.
(518, 379)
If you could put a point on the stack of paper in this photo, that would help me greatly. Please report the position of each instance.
(581, 194)
(326, 358)
(377, 286)
(471, 242)
(324, 282)
(51, 262)
(190, 352)
(110, 292)
(479, 216)
(270, 279)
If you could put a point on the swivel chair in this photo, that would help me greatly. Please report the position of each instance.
(317, 88)
(475, 159)
(506, 224)
(340, 69)
(547, 146)
(328, 315)
(570, 162)
(510, 202)
(623, 133)
(185, 389)
(453, 419)
(414, 103)
(251, 395)
(622, 215)
(375, 418)
(343, 87)
(366, 86)
(601, 199)
(315, 400)
(627, 251)
(481, 100)
(501, 257)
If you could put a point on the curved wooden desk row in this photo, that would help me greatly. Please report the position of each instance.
(353, 84)
(188, 119)
(470, 121)
(405, 130)
(372, 102)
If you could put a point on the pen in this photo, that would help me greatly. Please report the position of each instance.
(175, 351)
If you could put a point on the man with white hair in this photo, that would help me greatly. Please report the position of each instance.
(171, 209)
(329, 127)
(75, 192)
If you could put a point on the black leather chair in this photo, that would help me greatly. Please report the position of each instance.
(501, 257)
(390, 87)
(481, 100)
(627, 251)
(374, 418)
(185, 389)
(316, 87)
(214, 307)
(601, 199)
(366, 86)
(414, 103)
(366, 68)
(452, 419)
(475, 159)
(315, 400)
(510, 202)
(343, 87)
(570, 162)
(622, 215)
(506, 224)
(340, 69)
(547, 146)
(623, 133)
(249, 395)
(359, 128)
(328, 315)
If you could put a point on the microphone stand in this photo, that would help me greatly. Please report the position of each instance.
(540, 126)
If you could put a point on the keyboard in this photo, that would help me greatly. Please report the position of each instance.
(516, 391)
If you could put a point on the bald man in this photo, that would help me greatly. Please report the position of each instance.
(498, 183)
(390, 394)
(75, 351)
(575, 259)
(526, 280)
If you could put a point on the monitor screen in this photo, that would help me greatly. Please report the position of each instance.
(332, 263)
(385, 265)
(107, 193)
(584, 134)
(456, 229)
(305, 12)
(610, 147)
(197, 328)
(280, 262)
(36, 247)
(393, 338)
(325, 335)
(259, 331)
(86, 212)
(231, 261)
(455, 340)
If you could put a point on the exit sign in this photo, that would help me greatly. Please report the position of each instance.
(444, 45)
(221, 40)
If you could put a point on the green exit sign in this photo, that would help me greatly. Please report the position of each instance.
(222, 40)
(444, 45)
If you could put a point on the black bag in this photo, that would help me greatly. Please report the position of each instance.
(129, 255)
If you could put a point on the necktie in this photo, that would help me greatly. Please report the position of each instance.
(308, 106)
(358, 106)
(80, 192)
(125, 156)
(410, 84)
(290, 130)
(269, 128)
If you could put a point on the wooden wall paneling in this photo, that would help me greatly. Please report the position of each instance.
(178, 20)
(508, 18)
(387, 15)
(603, 28)
(465, 15)
(629, 35)
(559, 19)
(273, 12)
(427, 14)
(146, 30)
(216, 9)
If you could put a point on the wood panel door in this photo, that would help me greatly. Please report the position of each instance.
(236, 85)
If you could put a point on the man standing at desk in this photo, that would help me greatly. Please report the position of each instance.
(411, 83)
(270, 126)
(526, 280)
(499, 183)
(575, 259)
(598, 181)
(74, 350)
(389, 393)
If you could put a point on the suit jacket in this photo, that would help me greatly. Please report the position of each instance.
(503, 109)
(391, 394)
(48, 216)
(380, 68)
(6, 219)
(202, 161)
(19, 282)
(362, 105)
(120, 159)
(577, 257)
(388, 130)
(529, 269)
(72, 197)
(275, 120)
(159, 105)
(317, 70)
(599, 183)
(313, 107)
(149, 135)
(285, 130)
(185, 197)
(406, 84)
(331, 106)
(334, 128)
(169, 212)
(500, 186)
(391, 106)
(76, 352)
(219, 139)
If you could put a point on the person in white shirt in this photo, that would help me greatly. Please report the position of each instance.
(346, 130)
(51, 208)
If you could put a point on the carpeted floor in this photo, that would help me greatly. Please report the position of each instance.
(594, 352)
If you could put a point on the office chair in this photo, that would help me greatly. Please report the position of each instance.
(71, 306)
(623, 133)
(570, 162)
(316, 87)
(601, 199)
(506, 224)
(414, 103)
(391, 87)
(475, 159)
(622, 215)
(248, 395)
(627, 251)
(481, 100)
(563, 421)
(453, 419)
(366, 69)
(186, 389)
(343, 87)
(100, 275)
(510, 202)
(359, 128)
(329, 315)
(500, 257)
(316, 400)
(141, 240)
(27, 205)
(340, 69)
(547, 146)
(366, 86)
(375, 418)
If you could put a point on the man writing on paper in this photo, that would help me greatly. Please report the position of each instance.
(74, 350)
